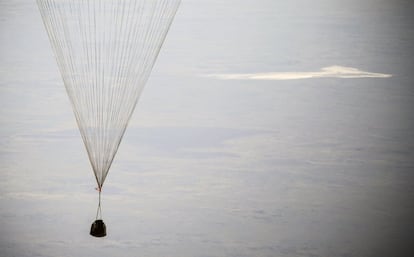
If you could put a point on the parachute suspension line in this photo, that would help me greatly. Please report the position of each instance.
(105, 50)
(99, 209)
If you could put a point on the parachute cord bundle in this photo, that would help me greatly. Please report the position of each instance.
(105, 50)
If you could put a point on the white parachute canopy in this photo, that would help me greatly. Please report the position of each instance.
(105, 50)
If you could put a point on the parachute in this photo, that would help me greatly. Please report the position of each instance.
(105, 51)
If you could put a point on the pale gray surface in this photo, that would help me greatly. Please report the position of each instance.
(209, 167)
